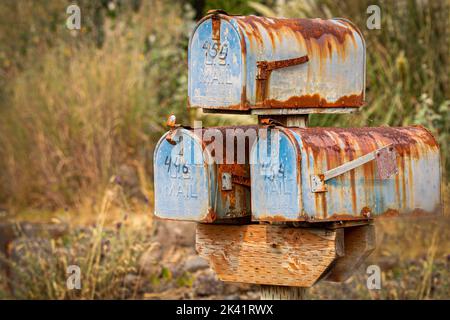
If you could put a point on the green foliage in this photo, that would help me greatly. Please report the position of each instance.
(240, 7)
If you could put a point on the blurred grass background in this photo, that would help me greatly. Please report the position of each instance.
(78, 107)
(81, 111)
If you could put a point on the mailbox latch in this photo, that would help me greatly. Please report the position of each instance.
(385, 157)
(173, 128)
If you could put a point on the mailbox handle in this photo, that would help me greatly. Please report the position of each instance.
(266, 67)
(318, 180)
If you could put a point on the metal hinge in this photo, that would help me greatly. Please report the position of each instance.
(228, 179)
(386, 159)
(266, 67)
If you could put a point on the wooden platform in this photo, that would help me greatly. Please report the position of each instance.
(359, 243)
(271, 255)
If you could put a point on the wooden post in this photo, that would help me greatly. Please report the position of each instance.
(280, 292)
(299, 120)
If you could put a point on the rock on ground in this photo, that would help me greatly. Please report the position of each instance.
(149, 262)
(195, 263)
(175, 233)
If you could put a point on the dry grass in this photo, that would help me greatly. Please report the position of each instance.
(414, 258)
(106, 251)
(77, 113)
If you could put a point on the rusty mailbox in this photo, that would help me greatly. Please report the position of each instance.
(329, 174)
(299, 205)
(239, 63)
(198, 179)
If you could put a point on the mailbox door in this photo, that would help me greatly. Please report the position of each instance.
(276, 192)
(182, 178)
(216, 66)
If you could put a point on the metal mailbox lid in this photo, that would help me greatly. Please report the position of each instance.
(224, 52)
(356, 194)
(216, 68)
(275, 171)
(192, 184)
(182, 178)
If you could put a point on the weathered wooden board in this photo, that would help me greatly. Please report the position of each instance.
(268, 254)
(359, 244)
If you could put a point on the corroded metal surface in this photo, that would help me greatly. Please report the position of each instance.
(189, 178)
(281, 185)
(313, 62)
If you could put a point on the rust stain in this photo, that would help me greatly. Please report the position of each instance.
(210, 217)
(308, 28)
(332, 218)
(315, 100)
(405, 140)
(244, 103)
(410, 182)
(321, 38)
(324, 204)
(215, 28)
(401, 175)
(235, 200)
(344, 217)
(366, 211)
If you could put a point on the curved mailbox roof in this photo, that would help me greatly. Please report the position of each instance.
(238, 63)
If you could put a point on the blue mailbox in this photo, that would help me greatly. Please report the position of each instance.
(241, 63)
(334, 174)
(195, 181)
